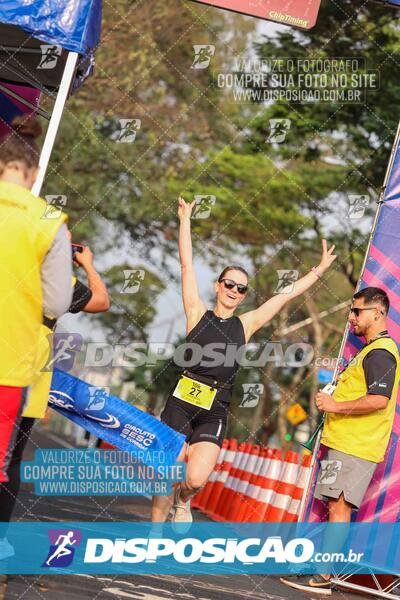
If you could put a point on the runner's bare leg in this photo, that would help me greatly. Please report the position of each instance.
(161, 505)
(202, 458)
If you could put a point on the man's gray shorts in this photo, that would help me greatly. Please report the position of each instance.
(344, 473)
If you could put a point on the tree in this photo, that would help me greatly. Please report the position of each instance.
(272, 201)
(143, 72)
(134, 290)
(117, 193)
(338, 150)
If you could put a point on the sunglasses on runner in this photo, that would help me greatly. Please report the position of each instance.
(357, 311)
(230, 285)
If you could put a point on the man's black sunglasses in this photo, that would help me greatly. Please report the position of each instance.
(230, 285)
(357, 311)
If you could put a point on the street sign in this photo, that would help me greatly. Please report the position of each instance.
(297, 13)
(296, 414)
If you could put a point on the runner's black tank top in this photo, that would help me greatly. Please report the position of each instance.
(216, 342)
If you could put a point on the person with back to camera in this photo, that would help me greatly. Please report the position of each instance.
(90, 298)
(198, 404)
(35, 279)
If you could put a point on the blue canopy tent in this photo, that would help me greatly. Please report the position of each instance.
(46, 47)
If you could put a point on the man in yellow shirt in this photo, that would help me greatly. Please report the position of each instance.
(359, 419)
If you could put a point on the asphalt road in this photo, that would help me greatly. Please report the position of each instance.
(139, 587)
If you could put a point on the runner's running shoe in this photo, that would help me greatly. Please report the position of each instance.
(181, 514)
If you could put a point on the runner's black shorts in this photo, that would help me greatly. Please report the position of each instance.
(197, 424)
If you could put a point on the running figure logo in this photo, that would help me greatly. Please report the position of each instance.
(55, 205)
(62, 547)
(278, 130)
(133, 279)
(97, 397)
(65, 345)
(286, 281)
(203, 54)
(252, 393)
(128, 130)
(50, 56)
(329, 471)
(357, 206)
(203, 206)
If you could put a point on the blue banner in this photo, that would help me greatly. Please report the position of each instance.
(112, 419)
(206, 548)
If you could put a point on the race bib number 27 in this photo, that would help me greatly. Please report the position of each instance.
(194, 392)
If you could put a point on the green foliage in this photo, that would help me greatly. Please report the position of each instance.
(273, 201)
(143, 71)
(130, 312)
(359, 134)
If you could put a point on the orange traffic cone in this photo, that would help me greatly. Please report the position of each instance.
(284, 490)
(219, 485)
(106, 446)
(266, 484)
(248, 494)
(231, 482)
(292, 513)
(243, 477)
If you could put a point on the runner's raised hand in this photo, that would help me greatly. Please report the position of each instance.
(185, 208)
(327, 257)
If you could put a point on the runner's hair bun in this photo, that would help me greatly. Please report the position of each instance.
(27, 126)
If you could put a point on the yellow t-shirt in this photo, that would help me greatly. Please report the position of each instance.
(26, 237)
(38, 396)
(365, 436)
(39, 392)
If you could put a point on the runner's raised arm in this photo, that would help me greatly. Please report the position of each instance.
(255, 319)
(193, 305)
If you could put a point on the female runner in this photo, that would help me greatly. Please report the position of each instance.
(199, 401)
